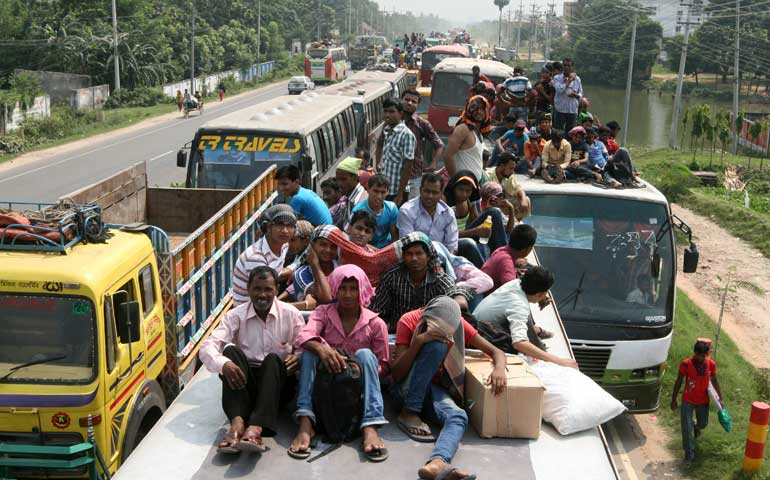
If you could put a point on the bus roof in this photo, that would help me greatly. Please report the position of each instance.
(285, 114)
(455, 48)
(648, 193)
(353, 89)
(380, 75)
(464, 65)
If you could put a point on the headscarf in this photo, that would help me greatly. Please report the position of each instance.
(491, 189)
(350, 165)
(304, 229)
(374, 263)
(576, 130)
(444, 314)
(476, 101)
(461, 176)
(278, 213)
(344, 272)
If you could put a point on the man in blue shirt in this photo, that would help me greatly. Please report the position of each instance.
(569, 91)
(429, 214)
(385, 212)
(306, 203)
(513, 141)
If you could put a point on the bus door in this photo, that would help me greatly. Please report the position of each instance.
(310, 164)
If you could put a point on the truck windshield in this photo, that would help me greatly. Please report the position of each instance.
(317, 53)
(613, 259)
(451, 89)
(431, 59)
(41, 328)
(233, 161)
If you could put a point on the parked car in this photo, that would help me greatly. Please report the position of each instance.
(298, 85)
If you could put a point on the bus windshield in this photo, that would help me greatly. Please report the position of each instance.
(41, 327)
(451, 89)
(613, 259)
(317, 53)
(233, 161)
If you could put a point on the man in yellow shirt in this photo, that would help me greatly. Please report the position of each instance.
(502, 173)
(557, 155)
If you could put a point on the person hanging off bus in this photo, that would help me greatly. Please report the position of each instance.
(695, 372)
(252, 350)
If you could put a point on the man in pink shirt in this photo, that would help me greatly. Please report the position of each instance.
(252, 350)
(501, 265)
(348, 325)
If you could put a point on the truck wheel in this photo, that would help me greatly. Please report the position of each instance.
(147, 409)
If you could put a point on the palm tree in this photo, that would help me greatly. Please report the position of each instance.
(501, 4)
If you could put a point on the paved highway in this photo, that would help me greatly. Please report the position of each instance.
(46, 179)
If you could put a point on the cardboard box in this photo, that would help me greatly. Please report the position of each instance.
(517, 412)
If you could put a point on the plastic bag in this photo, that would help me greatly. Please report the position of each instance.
(724, 416)
(573, 402)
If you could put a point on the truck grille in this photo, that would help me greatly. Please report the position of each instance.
(592, 359)
(53, 439)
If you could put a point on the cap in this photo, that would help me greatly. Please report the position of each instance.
(534, 133)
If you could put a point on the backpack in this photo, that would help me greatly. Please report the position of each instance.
(338, 401)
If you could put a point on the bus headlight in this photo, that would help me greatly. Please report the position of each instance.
(638, 373)
(652, 372)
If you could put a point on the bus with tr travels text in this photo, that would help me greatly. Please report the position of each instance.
(313, 132)
(434, 55)
(326, 64)
(452, 78)
(367, 104)
(613, 254)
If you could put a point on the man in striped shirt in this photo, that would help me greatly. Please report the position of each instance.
(395, 151)
(277, 224)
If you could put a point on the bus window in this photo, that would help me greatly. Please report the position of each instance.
(338, 143)
(346, 127)
(330, 150)
(327, 153)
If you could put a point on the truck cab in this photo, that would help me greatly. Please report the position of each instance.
(82, 335)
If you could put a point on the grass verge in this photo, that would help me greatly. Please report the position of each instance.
(667, 170)
(719, 454)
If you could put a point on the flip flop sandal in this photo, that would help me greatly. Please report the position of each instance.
(229, 448)
(445, 474)
(304, 453)
(251, 446)
(375, 454)
(424, 438)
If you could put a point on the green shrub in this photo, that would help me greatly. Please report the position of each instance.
(673, 179)
(138, 97)
(11, 144)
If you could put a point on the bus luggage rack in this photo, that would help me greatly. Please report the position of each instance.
(592, 359)
(52, 227)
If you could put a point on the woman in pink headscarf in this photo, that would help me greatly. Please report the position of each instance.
(346, 324)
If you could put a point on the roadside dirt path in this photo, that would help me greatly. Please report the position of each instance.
(747, 313)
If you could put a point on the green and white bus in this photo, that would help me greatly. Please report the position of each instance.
(326, 64)
(614, 258)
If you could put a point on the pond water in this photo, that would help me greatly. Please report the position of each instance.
(650, 116)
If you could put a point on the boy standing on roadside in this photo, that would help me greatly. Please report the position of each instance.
(696, 371)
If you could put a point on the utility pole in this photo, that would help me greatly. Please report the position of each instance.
(318, 20)
(259, 35)
(192, 51)
(533, 31)
(520, 17)
(736, 67)
(551, 13)
(508, 29)
(116, 57)
(627, 103)
(679, 81)
(500, 30)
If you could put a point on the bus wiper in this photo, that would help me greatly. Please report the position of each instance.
(31, 363)
(574, 295)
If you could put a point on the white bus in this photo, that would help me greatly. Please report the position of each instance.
(313, 132)
(614, 258)
(326, 64)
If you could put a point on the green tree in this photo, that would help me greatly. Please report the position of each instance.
(723, 133)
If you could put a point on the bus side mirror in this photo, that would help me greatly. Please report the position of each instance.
(127, 321)
(181, 158)
(690, 259)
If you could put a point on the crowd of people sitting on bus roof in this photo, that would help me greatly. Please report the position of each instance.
(397, 245)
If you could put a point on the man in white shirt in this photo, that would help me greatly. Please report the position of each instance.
(568, 92)
(252, 350)
(508, 308)
(277, 224)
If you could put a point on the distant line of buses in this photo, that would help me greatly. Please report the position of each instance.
(317, 129)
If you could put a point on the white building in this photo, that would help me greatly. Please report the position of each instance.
(669, 13)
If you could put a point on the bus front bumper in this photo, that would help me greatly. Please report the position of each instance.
(642, 397)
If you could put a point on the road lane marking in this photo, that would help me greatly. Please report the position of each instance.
(154, 130)
(624, 458)
(159, 156)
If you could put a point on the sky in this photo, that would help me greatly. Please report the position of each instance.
(463, 11)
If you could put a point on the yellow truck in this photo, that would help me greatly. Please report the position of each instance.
(102, 315)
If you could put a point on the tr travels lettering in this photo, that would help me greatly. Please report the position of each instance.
(249, 144)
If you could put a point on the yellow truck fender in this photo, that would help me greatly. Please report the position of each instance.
(147, 407)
